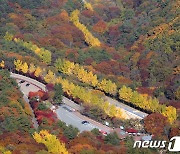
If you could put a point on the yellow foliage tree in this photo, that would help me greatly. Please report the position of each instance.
(170, 113)
(108, 86)
(45, 55)
(90, 98)
(125, 93)
(64, 66)
(50, 77)
(112, 110)
(18, 64)
(92, 79)
(8, 36)
(4, 151)
(2, 64)
(154, 103)
(87, 96)
(147, 103)
(88, 6)
(120, 113)
(51, 142)
(85, 76)
(38, 72)
(70, 68)
(89, 38)
(24, 68)
(32, 68)
(82, 75)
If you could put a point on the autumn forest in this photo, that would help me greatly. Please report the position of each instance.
(115, 61)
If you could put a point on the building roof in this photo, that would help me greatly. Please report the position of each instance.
(147, 138)
(131, 130)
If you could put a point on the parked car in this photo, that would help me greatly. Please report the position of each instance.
(85, 122)
(138, 134)
(121, 127)
(134, 134)
(27, 85)
(106, 123)
(67, 109)
(22, 81)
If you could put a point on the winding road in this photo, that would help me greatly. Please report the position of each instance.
(70, 118)
(74, 118)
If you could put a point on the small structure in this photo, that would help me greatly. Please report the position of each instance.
(131, 130)
(147, 138)
(107, 123)
(53, 108)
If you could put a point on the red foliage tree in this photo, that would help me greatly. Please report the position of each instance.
(45, 96)
(88, 61)
(144, 90)
(174, 132)
(143, 63)
(41, 94)
(50, 86)
(87, 13)
(114, 34)
(100, 27)
(155, 124)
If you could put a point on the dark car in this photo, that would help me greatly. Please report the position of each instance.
(67, 109)
(85, 122)
(27, 84)
(22, 81)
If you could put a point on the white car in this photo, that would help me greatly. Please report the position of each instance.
(121, 127)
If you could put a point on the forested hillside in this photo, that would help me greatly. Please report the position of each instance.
(133, 42)
(124, 49)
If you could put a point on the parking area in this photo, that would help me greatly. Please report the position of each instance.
(26, 87)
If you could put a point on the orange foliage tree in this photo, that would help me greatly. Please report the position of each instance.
(100, 27)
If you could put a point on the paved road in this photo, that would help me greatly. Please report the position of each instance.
(71, 103)
(25, 90)
(32, 81)
(133, 113)
(75, 119)
(34, 120)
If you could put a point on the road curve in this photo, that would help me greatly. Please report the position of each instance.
(73, 118)
(30, 80)
(133, 113)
